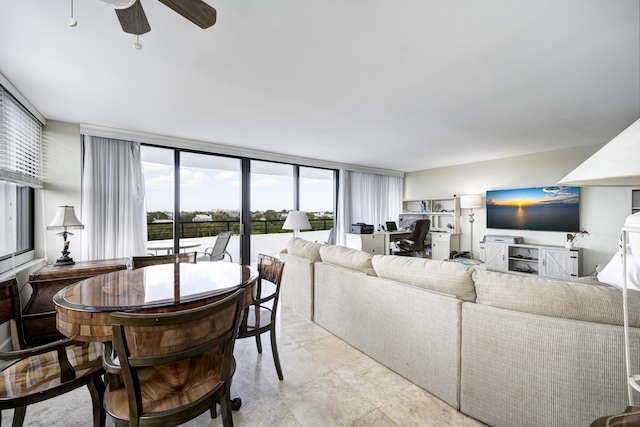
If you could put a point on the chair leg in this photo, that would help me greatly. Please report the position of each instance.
(259, 343)
(18, 416)
(274, 349)
(225, 408)
(96, 390)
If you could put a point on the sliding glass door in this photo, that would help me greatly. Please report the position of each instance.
(272, 197)
(159, 180)
(209, 201)
(192, 197)
(317, 196)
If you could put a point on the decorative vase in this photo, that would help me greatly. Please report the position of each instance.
(569, 244)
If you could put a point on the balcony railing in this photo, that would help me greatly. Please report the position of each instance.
(193, 230)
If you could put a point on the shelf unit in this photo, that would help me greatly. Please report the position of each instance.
(444, 213)
(553, 262)
(635, 201)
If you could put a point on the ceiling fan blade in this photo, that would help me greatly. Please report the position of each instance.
(133, 19)
(195, 11)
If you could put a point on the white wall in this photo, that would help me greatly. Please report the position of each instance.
(602, 210)
(62, 163)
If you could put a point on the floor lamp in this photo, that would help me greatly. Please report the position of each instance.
(616, 165)
(469, 202)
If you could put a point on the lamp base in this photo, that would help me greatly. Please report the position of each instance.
(64, 261)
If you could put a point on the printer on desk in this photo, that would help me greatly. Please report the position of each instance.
(361, 228)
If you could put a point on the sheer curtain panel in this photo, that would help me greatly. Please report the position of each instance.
(369, 198)
(113, 210)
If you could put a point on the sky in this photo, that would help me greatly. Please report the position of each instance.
(205, 189)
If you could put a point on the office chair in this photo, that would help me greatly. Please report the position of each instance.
(414, 245)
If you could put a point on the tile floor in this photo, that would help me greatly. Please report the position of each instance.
(326, 383)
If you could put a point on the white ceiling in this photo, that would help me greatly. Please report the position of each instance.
(402, 85)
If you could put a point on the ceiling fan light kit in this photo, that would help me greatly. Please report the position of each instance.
(118, 4)
(133, 20)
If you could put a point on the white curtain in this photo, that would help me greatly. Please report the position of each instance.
(369, 198)
(113, 210)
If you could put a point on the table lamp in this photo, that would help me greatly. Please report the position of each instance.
(617, 165)
(296, 221)
(65, 219)
(469, 202)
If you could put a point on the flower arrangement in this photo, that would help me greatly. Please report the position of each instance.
(573, 236)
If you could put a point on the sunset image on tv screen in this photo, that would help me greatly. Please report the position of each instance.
(540, 208)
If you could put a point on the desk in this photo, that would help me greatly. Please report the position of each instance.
(390, 236)
(83, 309)
(168, 246)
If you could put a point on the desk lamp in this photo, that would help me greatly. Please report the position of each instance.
(617, 164)
(65, 219)
(469, 202)
(296, 221)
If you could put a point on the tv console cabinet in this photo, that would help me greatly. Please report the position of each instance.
(551, 262)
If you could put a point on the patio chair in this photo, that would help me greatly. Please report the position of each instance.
(219, 249)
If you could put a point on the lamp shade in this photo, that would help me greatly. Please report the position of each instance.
(617, 164)
(296, 220)
(65, 218)
(471, 201)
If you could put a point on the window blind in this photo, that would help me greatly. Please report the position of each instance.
(20, 143)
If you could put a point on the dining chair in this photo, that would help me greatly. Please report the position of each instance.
(219, 249)
(170, 367)
(260, 317)
(34, 374)
(414, 245)
(144, 261)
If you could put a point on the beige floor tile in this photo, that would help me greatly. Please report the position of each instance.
(374, 381)
(416, 407)
(374, 418)
(333, 352)
(327, 401)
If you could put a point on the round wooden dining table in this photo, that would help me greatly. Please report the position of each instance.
(83, 309)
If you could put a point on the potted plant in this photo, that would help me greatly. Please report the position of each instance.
(571, 237)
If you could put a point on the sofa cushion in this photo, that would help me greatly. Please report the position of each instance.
(440, 276)
(347, 258)
(578, 301)
(304, 249)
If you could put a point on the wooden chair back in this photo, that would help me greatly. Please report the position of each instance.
(177, 365)
(10, 311)
(144, 261)
(35, 374)
(260, 316)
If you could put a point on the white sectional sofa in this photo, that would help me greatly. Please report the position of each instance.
(504, 349)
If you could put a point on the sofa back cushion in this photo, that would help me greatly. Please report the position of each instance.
(441, 276)
(304, 249)
(578, 301)
(347, 258)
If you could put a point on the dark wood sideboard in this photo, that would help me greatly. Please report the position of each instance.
(48, 280)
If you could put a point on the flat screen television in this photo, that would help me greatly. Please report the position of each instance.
(539, 208)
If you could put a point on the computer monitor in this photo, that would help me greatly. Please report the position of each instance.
(391, 226)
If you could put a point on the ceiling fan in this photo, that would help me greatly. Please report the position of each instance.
(134, 21)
